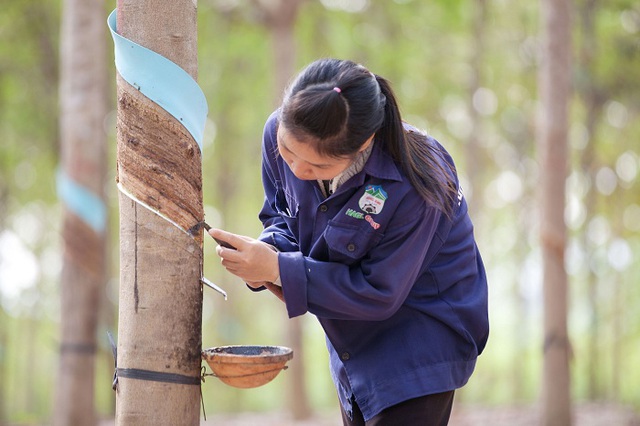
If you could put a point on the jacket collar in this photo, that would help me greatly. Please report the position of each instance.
(381, 165)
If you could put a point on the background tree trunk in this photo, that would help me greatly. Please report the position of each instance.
(280, 19)
(83, 107)
(475, 156)
(159, 164)
(554, 83)
(593, 101)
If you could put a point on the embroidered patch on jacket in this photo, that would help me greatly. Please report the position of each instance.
(372, 201)
(354, 214)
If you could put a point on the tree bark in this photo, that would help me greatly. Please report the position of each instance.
(554, 84)
(160, 177)
(83, 106)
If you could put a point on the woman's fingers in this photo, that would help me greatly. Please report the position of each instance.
(246, 257)
(227, 239)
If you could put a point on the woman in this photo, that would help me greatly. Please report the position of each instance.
(366, 227)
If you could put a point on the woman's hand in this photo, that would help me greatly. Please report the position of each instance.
(252, 260)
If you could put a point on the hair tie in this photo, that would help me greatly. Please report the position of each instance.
(337, 89)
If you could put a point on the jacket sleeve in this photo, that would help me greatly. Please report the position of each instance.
(275, 230)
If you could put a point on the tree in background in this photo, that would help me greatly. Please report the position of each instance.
(594, 99)
(83, 107)
(280, 17)
(160, 181)
(554, 87)
(474, 152)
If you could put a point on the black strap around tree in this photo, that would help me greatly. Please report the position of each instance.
(154, 376)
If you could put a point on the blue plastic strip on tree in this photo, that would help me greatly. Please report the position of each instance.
(162, 81)
(82, 202)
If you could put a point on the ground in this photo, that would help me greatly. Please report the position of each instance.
(592, 414)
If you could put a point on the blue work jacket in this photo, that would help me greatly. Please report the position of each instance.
(399, 288)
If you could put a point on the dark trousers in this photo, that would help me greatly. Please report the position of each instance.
(429, 410)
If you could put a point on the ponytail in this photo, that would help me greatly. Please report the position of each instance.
(423, 163)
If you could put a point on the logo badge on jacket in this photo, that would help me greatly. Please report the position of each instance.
(372, 201)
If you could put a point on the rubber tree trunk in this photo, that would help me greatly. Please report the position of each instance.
(160, 178)
(554, 85)
(83, 107)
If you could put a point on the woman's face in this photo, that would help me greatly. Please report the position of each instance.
(305, 162)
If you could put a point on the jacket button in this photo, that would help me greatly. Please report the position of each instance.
(351, 247)
(324, 208)
(345, 356)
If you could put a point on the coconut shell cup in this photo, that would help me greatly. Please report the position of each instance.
(247, 366)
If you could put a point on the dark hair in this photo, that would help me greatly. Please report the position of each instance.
(336, 105)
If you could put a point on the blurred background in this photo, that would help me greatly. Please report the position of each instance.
(465, 71)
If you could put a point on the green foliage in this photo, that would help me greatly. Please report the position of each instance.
(426, 50)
